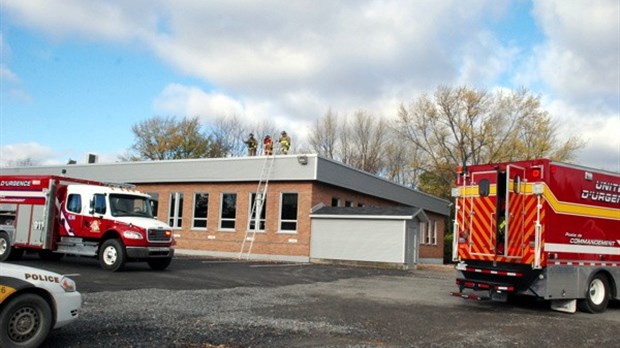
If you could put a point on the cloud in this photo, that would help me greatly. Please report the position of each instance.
(599, 130)
(580, 60)
(289, 61)
(190, 101)
(32, 153)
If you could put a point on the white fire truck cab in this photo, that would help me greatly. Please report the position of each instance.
(56, 215)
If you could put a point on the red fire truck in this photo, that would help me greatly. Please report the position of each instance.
(56, 215)
(539, 228)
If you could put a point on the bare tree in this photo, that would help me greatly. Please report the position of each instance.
(368, 138)
(227, 134)
(463, 126)
(162, 138)
(324, 135)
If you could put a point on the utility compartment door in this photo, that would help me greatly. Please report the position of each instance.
(515, 211)
(483, 214)
(31, 224)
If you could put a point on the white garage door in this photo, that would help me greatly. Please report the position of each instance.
(358, 240)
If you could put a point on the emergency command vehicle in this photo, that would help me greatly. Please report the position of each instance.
(56, 215)
(539, 228)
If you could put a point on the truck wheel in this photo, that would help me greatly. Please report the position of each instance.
(159, 264)
(8, 252)
(112, 255)
(597, 295)
(25, 321)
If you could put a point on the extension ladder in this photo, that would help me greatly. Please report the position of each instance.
(257, 207)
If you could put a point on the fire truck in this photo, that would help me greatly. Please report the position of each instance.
(57, 215)
(540, 228)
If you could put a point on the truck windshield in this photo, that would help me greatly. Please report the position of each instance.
(129, 205)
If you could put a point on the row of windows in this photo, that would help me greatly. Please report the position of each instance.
(428, 233)
(228, 211)
(336, 202)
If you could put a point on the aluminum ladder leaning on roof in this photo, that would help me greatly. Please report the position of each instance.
(257, 207)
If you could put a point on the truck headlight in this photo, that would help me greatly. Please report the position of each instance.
(68, 284)
(132, 235)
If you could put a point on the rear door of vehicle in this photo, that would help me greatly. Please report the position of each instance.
(482, 222)
(515, 204)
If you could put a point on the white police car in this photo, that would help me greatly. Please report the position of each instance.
(32, 302)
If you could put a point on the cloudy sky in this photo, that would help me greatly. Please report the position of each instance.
(77, 74)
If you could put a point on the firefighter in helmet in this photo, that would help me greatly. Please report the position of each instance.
(285, 142)
(252, 144)
(268, 145)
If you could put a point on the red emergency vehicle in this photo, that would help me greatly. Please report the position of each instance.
(540, 228)
(56, 215)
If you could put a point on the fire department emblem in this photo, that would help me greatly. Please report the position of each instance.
(95, 226)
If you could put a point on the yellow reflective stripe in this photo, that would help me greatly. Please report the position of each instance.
(5, 291)
(578, 208)
(560, 207)
(469, 191)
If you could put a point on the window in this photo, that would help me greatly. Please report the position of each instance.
(98, 205)
(361, 205)
(335, 201)
(175, 210)
(201, 209)
(429, 227)
(428, 232)
(484, 188)
(288, 212)
(228, 212)
(74, 203)
(154, 202)
(348, 203)
(252, 213)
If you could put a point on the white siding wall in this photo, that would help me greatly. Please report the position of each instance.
(358, 240)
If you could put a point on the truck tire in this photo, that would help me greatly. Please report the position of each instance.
(112, 255)
(26, 321)
(597, 295)
(159, 264)
(7, 251)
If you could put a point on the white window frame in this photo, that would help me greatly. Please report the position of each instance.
(194, 218)
(280, 220)
(429, 228)
(175, 220)
(262, 220)
(227, 229)
(434, 235)
(423, 230)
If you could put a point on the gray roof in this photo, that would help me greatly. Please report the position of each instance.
(310, 167)
(392, 211)
(370, 212)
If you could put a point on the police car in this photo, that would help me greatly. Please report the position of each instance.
(32, 302)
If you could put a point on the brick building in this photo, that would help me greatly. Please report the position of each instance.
(208, 203)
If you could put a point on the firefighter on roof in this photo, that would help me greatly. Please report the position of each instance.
(268, 145)
(252, 144)
(285, 142)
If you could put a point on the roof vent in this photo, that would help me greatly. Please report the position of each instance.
(92, 158)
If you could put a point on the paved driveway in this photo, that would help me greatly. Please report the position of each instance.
(207, 303)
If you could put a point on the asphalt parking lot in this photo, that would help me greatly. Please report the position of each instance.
(228, 303)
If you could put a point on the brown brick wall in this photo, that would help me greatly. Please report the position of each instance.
(432, 251)
(271, 241)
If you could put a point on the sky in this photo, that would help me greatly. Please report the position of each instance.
(76, 75)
